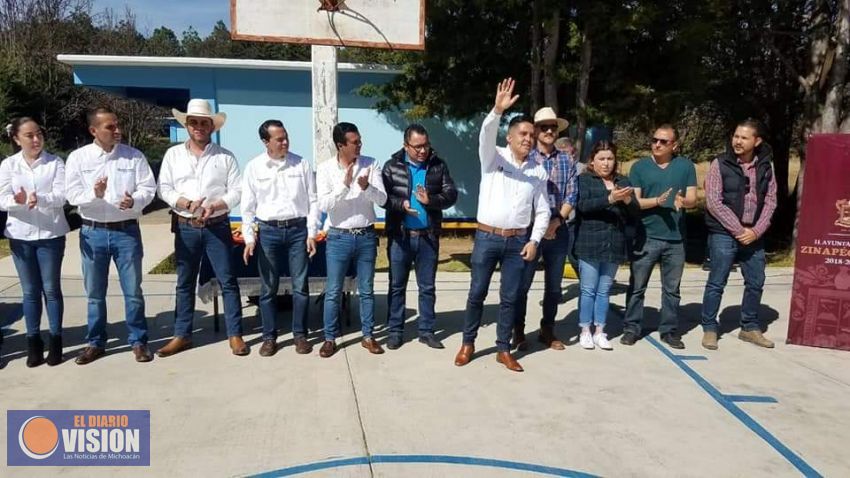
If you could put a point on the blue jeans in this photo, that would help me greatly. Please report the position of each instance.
(595, 284)
(671, 256)
(554, 253)
(725, 250)
(123, 246)
(343, 248)
(190, 244)
(275, 245)
(488, 251)
(39, 266)
(422, 252)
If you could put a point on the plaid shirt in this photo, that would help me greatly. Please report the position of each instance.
(563, 180)
(725, 215)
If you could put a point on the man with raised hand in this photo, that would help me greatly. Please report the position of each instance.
(511, 199)
(279, 197)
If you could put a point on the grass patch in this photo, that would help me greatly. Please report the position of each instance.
(4, 247)
(167, 266)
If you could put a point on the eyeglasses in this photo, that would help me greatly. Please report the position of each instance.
(419, 147)
(354, 143)
(548, 127)
(111, 127)
(662, 141)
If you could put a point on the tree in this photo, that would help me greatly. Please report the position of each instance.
(163, 42)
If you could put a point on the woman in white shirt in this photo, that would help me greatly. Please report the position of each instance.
(32, 190)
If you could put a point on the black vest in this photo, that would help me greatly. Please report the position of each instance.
(735, 185)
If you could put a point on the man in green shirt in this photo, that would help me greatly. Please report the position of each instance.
(664, 184)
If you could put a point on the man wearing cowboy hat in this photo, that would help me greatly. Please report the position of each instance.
(200, 180)
(562, 189)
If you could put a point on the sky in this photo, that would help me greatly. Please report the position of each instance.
(177, 15)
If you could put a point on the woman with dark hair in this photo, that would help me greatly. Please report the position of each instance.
(32, 190)
(605, 204)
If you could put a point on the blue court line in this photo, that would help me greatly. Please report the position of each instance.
(440, 459)
(738, 413)
(692, 357)
(750, 399)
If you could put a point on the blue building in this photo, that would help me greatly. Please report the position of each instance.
(252, 91)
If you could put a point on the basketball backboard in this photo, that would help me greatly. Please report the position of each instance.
(392, 24)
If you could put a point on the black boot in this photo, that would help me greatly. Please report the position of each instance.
(54, 350)
(35, 351)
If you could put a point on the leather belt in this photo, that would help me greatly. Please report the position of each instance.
(502, 232)
(357, 231)
(295, 222)
(200, 223)
(118, 225)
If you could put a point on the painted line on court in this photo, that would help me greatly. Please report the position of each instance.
(422, 459)
(750, 399)
(738, 413)
(692, 357)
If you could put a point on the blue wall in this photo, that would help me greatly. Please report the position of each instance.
(251, 96)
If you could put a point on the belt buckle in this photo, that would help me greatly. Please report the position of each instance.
(358, 231)
(197, 222)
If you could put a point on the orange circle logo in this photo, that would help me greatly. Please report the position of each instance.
(38, 437)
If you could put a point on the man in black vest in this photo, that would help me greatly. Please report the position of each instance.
(419, 188)
(740, 195)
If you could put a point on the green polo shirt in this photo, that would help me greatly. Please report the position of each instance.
(663, 222)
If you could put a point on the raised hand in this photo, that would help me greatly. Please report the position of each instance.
(422, 195)
(126, 202)
(505, 97)
(21, 196)
(100, 187)
(32, 200)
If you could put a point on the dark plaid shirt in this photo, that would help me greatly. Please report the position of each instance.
(601, 226)
(562, 184)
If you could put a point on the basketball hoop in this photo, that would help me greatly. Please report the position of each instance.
(330, 5)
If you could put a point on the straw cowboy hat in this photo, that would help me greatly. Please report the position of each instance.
(548, 114)
(200, 109)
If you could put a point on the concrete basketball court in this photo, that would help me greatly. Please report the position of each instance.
(635, 411)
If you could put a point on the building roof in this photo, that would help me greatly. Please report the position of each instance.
(186, 62)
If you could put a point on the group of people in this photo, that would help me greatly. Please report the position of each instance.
(535, 201)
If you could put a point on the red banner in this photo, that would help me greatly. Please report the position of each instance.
(820, 300)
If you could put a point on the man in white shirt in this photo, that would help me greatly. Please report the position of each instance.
(279, 197)
(200, 180)
(110, 183)
(512, 196)
(349, 187)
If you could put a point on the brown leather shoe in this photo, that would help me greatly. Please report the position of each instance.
(89, 355)
(142, 353)
(506, 359)
(464, 355)
(709, 339)
(518, 341)
(372, 346)
(547, 338)
(268, 348)
(755, 337)
(238, 346)
(302, 346)
(328, 349)
(174, 346)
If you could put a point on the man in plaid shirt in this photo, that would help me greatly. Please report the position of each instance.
(562, 189)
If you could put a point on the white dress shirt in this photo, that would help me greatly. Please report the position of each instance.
(277, 190)
(215, 175)
(45, 178)
(126, 170)
(350, 207)
(510, 192)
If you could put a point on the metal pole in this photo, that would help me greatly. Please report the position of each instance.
(324, 102)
